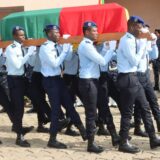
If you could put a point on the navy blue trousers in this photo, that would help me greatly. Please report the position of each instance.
(58, 95)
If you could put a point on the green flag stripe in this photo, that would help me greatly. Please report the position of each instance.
(32, 21)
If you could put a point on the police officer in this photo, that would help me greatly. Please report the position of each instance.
(103, 95)
(15, 63)
(130, 88)
(151, 53)
(89, 73)
(71, 81)
(156, 62)
(37, 93)
(52, 56)
(4, 90)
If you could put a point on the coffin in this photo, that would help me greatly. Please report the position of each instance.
(110, 18)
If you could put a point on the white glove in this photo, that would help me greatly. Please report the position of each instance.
(106, 46)
(143, 43)
(145, 30)
(154, 38)
(66, 36)
(32, 50)
(71, 48)
(66, 48)
(113, 44)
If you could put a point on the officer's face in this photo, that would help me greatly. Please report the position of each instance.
(137, 29)
(19, 36)
(92, 33)
(54, 35)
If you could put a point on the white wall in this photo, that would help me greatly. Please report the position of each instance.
(45, 4)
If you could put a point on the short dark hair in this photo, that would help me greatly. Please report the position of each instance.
(146, 25)
(47, 31)
(88, 28)
(16, 29)
(50, 27)
(157, 30)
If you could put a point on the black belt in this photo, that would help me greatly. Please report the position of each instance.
(16, 76)
(88, 79)
(141, 73)
(53, 77)
(130, 73)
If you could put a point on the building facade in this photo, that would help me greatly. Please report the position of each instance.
(149, 10)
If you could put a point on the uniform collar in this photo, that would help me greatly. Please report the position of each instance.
(130, 35)
(17, 43)
(51, 42)
(88, 39)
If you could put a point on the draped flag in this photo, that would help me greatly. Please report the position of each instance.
(110, 18)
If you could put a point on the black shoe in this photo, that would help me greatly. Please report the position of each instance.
(129, 138)
(0, 142)
(53, 143)
(42, 129)
(2, 110)
(139, 132)
(93, 147)
(154, 142)
(32, 110)
(71, 132)
(132, 125)
(26, 130)
(82, 131)
(158, 125)
(63, 123)
(47, 120)
(103, 132)
(113, 106)
(126, 147)
(21, 142)
(156, 88)
(115, 138)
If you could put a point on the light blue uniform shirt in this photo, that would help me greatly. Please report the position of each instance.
(34, 61)
(15, 60)
(71, 67)
(50, 61)
(151, 53)
(102, 49)
(90, 59)
(127, 58)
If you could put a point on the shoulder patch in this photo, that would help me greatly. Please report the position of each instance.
(128, 36)
(45, 43)
(13, 45)
(88, 42)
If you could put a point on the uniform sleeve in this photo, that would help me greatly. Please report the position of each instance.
(17, 62)
(129, 52)
(68, 54)
(153, 54)
(32, 60)
(49, 56)
(1, 51)
(91, 53)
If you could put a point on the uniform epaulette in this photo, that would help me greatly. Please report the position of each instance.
(128, 36)
(45, 43)
(87, 41)
(13, 45)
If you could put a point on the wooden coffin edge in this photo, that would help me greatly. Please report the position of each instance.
(72, 39)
